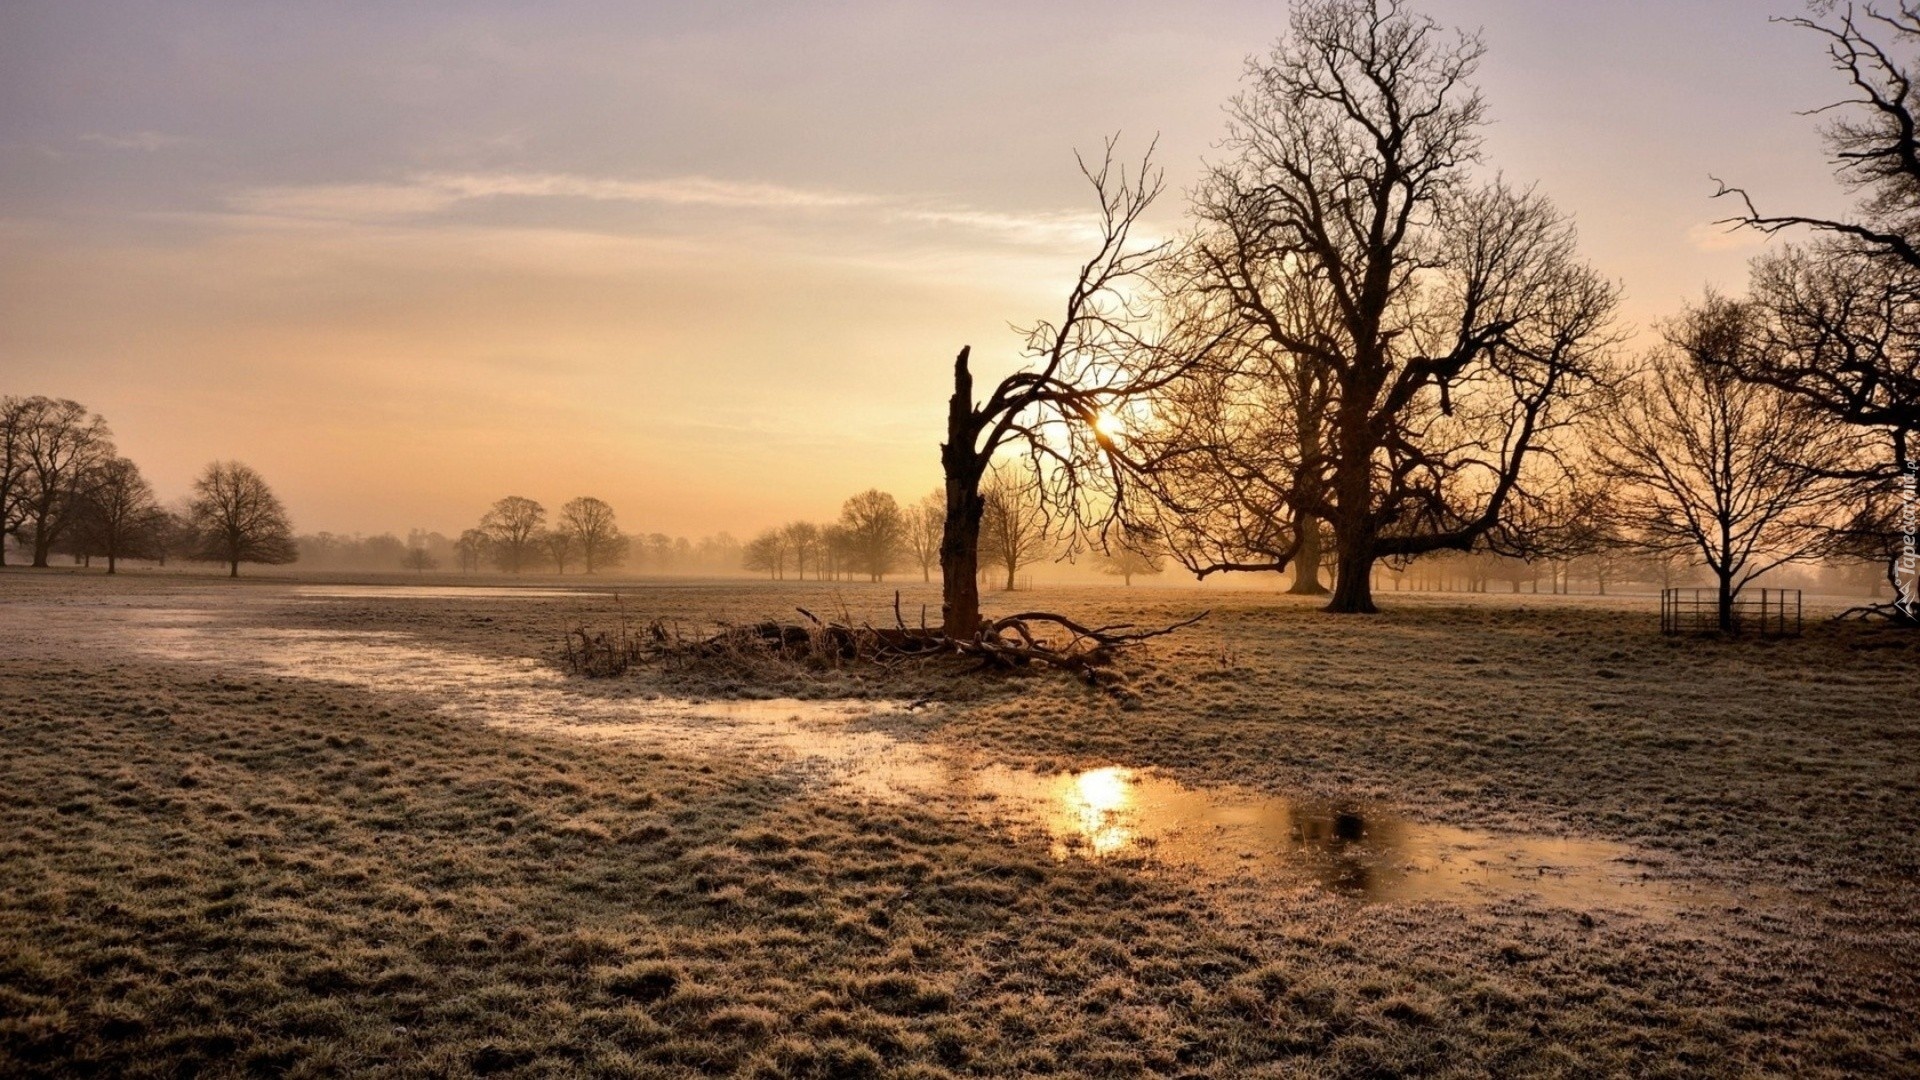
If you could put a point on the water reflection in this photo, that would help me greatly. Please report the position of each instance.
(1104, 813)
(436, 592)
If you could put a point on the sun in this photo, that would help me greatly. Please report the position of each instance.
(1110, 424)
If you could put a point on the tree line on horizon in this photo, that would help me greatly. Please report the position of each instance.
(875, 536)
(515, 535)
(65, 489)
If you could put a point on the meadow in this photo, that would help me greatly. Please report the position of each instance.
(297, 827)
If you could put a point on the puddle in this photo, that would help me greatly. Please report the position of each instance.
(1104, 813)
(437, 592)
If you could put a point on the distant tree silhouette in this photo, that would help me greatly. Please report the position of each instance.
(172, 533)
(123, 519)
(1014, 528)
(56, 447)
(767, 551)
(596, 536)
(1706, 460)
(471, 549)
(801, 542)
(924, 522)
(874, 533)
(512, 528)
(560, 545)
(238, 518)
(419, 560)
(1131, 557)
(15, 415)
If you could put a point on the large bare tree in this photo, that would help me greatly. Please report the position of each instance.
(238, 518)
(1845, 307)
(1459, 325)
(1707, 461)
(513, 527)
(1105, 350)
(15, 414)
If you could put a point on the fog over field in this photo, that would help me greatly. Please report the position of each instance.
(1333, 538)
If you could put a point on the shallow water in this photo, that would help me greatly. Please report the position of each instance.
(1112, 812)
(437, 592)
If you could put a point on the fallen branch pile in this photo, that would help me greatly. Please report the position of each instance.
(1891, 611)
(1005, 644)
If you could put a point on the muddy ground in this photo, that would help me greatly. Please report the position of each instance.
(228, 850)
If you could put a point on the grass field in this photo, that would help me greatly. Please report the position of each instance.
(267, 828)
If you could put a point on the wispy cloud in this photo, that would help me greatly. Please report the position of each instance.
(423, 195)
(675, 191)
(148, 141)
(429, 193)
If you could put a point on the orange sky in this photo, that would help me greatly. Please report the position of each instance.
(708, 262)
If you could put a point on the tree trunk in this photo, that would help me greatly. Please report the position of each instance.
(960, 532)
(1353, 526)
(1011, 568)
(235, 571)
(1726, 602)
(110, 562)
(1306, 563)
(1353, 579)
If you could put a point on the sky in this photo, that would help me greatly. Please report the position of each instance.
(710, 261)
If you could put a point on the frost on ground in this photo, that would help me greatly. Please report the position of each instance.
(219, 865)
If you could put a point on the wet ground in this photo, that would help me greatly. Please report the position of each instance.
(1115, 811)
(1787, 922)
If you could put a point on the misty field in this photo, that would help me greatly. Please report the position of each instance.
(300, 828)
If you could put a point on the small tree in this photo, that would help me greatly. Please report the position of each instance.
(1014, 529)
(801, 543)
(512, 528)
(471, 549)
(560, 545)
(767, 551)
(924, 522)
(1134, 555)
(239, 519)
(419, 560)
(123, 519)
(58, 446)
(876, 532)
(596, 536)
(1706, 461)
(172, 531)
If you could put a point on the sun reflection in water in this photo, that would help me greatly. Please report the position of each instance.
(1095, 812)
